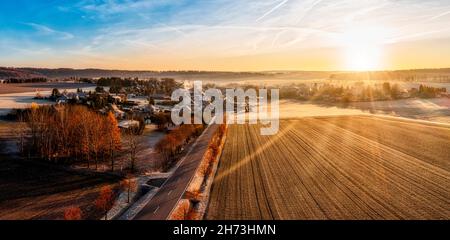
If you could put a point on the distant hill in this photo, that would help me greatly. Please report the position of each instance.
(7, 73)
(435, 75)
(97, 73)
(67, 73)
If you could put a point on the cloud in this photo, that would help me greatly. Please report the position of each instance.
(155, 30)
(45, 30)
(440, 15)
(282, 3)
(225, 29)
(109, 7)
(309, 9)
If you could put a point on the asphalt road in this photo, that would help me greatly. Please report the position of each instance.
(160, 206)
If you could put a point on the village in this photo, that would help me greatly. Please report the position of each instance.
(130, 107)
(118, 130)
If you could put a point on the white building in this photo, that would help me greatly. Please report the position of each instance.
(125, 124)
(62, 100)
(117, 112)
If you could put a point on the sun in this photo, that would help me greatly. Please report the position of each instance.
(363, 48)
(363, 57)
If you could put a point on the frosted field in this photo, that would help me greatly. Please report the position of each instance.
(20, 100)
(23, 100)
(434, 110)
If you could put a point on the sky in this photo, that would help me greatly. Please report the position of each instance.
(226, 35)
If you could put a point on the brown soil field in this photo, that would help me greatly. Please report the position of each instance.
(353, 167)
(31, 87)
(41, 191)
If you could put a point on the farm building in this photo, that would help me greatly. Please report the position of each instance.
(125, 124)
(117, 112)
(61, 100)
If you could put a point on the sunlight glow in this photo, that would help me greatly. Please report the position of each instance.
(233, 35)
(363, 48)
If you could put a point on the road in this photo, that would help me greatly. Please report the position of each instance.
(160, 206)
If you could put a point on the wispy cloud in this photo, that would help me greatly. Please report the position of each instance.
(309, 9)
(236, 34)
(282, 3)
(173, 30)
(114, 6)
(365, 11)
(440, 15)
(45, 30)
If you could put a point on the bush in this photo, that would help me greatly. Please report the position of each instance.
(105, 200)
(172, 143)
(73, 213)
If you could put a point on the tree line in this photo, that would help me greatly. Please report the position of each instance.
(142, 87)
(69, 133)
(428, 91)
(357, 92)
(26, 80)
(172, 144)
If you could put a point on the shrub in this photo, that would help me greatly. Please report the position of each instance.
(72, 213)
(105, 200)
(173, 142)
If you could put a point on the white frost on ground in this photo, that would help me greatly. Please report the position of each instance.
(437, 109)
(20, 100)
(121, 202)
(292, 109)
(134, 207)
(23, 100)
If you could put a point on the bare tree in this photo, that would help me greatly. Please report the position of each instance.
(65, 132)
(105, 200)
(112, 132)
(20, 130)
(132, 143)
(129, 184)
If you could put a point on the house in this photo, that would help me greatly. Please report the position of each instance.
(150, 109)
(126, 124)
(138, 108)
(82, 95)
(116, 99)
(72, 96)
(62, 100)
(117, 112)
(2, 81)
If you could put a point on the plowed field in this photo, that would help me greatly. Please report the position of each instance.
(334, 168)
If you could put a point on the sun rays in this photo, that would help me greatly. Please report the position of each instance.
(363, 47)
(250, 157)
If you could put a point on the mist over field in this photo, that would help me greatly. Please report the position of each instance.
(131, 109)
